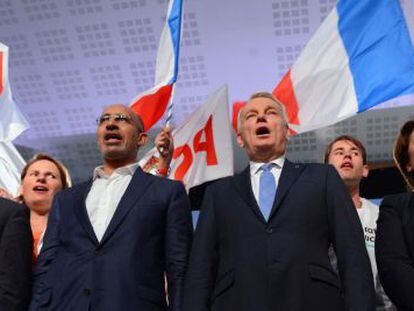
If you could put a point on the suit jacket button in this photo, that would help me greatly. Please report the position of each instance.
(87, 291)
(99, 252)
(269, 230)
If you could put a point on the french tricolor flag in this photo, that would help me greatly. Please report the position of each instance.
(151, 105)
(361, 56)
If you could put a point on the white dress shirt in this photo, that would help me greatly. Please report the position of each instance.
(256, 172)
(105, 194)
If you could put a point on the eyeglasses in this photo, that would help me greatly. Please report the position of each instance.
(118, 118)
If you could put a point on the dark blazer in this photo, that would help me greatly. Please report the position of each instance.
(149, 235)
(241, 262)
(16, 245)
(394, 249)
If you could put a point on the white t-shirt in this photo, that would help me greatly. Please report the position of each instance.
(368, 215)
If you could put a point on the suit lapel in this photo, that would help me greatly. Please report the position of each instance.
(81, 212)
(136, 188)
(244, 187)
(290, 173)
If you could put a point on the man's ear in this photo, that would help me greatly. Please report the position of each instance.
(365, 171)
(290, 133)
(240, 140)
(409, 168)
(142, 139)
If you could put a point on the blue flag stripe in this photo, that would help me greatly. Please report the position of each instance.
(380, 51)
(174, 22)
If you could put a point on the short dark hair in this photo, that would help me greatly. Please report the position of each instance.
(64, 173)
(401, 157)
(353, 140)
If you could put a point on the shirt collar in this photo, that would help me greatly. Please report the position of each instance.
(129, 169)
(255, 166)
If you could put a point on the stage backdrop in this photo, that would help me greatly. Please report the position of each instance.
(69, 58)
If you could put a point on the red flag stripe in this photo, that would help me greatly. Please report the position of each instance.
(151, 107)
(285, 93)
(236, 108)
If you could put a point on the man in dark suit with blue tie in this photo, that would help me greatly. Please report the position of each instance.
(262, 238)
(111, 242)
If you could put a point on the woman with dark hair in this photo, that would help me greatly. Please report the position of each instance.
(404, 153)
(395, 229)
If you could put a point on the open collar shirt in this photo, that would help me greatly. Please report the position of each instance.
(105, 194)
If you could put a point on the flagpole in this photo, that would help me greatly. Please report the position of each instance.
(168, 119)
(170, 102)
(170, 108)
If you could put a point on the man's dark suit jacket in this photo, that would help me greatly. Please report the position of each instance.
(394, 249)
(149, 235)
(16, 245)
(241, 262)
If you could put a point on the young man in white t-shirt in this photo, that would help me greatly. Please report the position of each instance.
(348, 155)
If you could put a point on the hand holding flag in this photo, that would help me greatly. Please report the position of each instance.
(164, 144)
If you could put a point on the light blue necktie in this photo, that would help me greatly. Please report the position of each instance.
(267, 190)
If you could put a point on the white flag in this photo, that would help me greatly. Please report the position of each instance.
(12, 121)
(203, 145)
(11, 164)
(12, 124)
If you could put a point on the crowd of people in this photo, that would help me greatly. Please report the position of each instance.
(277, 236)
